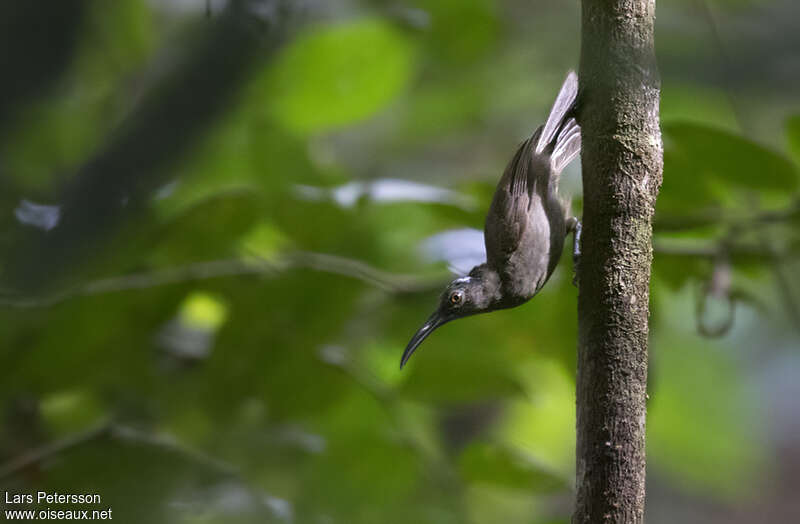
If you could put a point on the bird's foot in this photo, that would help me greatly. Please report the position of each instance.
(574, 226)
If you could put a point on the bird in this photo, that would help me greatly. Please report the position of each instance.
(526, 225)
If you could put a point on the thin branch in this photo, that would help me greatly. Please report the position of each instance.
(782, 280)
(43, 453)
(717, 217)
(708, 249)
(390, 282)
(255, 266)
(387, 398)
(170, 445)
(119, 433)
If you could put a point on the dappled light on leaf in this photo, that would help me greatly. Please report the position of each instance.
(40, 216)
(385, 191)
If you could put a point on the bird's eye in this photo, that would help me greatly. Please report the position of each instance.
(455, 298)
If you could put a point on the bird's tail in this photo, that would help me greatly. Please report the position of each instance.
(561, 135)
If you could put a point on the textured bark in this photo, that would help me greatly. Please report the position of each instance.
(622, 164)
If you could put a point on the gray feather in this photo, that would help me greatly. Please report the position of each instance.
(564, 102)
(568, 145)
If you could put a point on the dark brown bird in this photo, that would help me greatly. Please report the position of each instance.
(525, 227)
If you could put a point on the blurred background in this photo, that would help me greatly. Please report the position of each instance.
(222, 222)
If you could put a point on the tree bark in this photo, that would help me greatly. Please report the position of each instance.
(622, 172)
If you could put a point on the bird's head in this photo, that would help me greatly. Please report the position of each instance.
(463, 297)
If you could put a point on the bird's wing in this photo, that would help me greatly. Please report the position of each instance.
(507, 217)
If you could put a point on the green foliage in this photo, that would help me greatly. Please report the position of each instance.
(694, 429)
(484, 463)
(332, 76)
(551, 398)
(793, 133)
(57, 133)
(265, 386)
(66, 412)
(225, 217)
(460, 31)
(707, 164)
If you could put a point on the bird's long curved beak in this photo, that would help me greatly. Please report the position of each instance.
(433, 322)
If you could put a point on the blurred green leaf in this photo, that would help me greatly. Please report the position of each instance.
(489, 503)
(702, 164)
(70, 411)
(459, 366)
(203, 311)
(694, 429)
(54, 135)
(675, 271)
(551, 398)
(498, 466)
(101, 341)
(181, 483)
(697, 103)
(336, 75)
(209, 229)
(461, 31)
(271, 346)
(264, 241)
(438, 109)
(298, 386)
(349, 478)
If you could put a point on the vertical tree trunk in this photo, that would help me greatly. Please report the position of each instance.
(622, 164)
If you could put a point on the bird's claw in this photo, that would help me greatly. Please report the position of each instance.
(575, 227)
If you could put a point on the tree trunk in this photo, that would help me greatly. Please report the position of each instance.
(622, 164)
